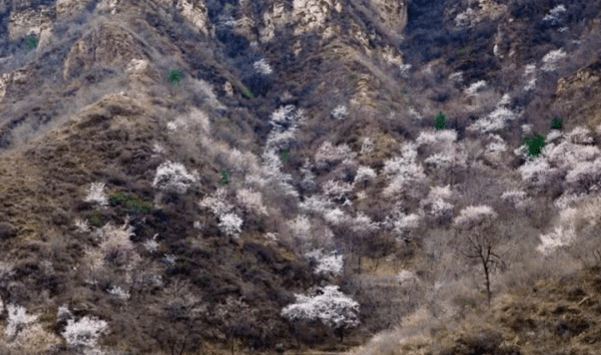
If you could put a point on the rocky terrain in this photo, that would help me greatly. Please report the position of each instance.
(306, 176)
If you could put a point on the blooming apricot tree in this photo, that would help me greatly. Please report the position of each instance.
(333, 308)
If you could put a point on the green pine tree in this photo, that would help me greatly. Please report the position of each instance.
(440, 122)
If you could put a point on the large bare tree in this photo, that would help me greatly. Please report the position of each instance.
(477, 238)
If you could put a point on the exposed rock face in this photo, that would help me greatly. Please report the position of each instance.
(393, 14)
(27, 21)
(109, 44)
(195, 11)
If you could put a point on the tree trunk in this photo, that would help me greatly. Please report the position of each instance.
(487, 274)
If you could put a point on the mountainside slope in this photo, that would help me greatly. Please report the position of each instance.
(176, 173)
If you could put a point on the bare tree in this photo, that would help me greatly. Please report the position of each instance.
(184, 313)
(478, 239)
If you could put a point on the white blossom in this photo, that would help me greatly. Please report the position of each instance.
(151, 244)
(457, 77)
(553, 135)
(363, 224)
(405, 173)
(96, 193)
(217, 202)
(339, 112)
(437, 139)
(172, 125)
(405, 275)
(17, 319)
(332, 308)
(330, 154)
(586, 175)
(327, 264)
(173, 177)
(580, 135)
(364, 174)
(230, 224)
(497, 144)
(554, 16)
(169, 259)
(367, 146)
(514, 197)
(119, 292)
(505, 101)
(316, 204)
(494, 121)
(530, 85)
(435, 205)
(251, 201)
(472, 216)
(82, 225)
(85, 332)
(559, 237)
(465, 19)
(284, 118)
(157, 148)
(537, 172)
(63, 313)
(551, 59)
(530, 69)
(300, 227)
(568, 199)
(475, 87)
(404, 223)
(567, 156)
(261, 66)
(335, 216)
(405, 69)
(336, 189)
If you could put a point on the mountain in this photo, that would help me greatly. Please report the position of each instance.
(375, 177)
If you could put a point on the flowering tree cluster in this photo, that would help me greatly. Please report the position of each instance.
(495, 121)
(436, 140)
(331, 307)
(516, 198)
(563, 234)
(436, 206)
(573, 162)
(404, 172)
(336, 190)
(251, 201)
(364, 175)
(173, 177)
(328, 154)
(284, 121)
(84, 334)
(329, 264)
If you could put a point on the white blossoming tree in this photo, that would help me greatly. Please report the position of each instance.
(332, 308)
(84, 333)
(173, 177)
(230, 224)
(327, 264)
(96, 194)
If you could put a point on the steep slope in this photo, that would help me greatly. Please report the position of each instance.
(175, 173)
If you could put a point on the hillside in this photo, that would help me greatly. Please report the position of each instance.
(376, 177)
